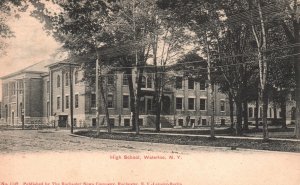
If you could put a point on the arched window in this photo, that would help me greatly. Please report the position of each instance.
(67, 79)
(76, 77)
(58, 81)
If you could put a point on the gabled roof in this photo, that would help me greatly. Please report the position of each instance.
(37, 68)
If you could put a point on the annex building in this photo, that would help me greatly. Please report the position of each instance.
(40, 95)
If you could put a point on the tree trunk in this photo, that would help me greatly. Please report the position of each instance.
(157, 99)
(256, 112)
(137, 100)
(245, 115)
(264, 115)
(283, 111)
(297, 92)
(239, 117)
(104, 99)
(157, 119)
(231, 105)
(132, 98)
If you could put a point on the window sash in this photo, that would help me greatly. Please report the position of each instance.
(179, 103)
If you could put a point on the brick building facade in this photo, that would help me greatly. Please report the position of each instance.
(40, 94)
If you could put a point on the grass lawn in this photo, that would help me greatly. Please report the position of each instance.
(233, 143)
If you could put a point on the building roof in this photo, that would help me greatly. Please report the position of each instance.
(37, 68)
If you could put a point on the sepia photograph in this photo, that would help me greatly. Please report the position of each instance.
(149, 92)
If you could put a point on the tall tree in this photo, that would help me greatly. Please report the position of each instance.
(289, 17)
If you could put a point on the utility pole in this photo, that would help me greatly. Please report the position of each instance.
(71, 97)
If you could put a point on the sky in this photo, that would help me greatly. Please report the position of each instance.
(30, 45)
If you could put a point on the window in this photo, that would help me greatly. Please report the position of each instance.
(125, 79)
(149, 82)
(48, 86)
(191, 83)
(58, 102)
(127, 122)
(149, 104)
(202, 104)
(191, 103)
(270, 112)
(204, 122)
(110, 101)
(94, 122)
(222, 105)
(110, 79)
(67, 102)
(58, 81)
(178, 82)
(260, 112)
(76, 77)
(180, 122)
(125, 101)
(202, 85)
(141, 122)
(74, 122)
(250, 112)
(143, 84)
(13, 88)
(179, 103)
(5, 87)
(21, 86)
(223, 121)
(193, 121)
(112, 122)
(293, 95)
(48, 109)
(67, 79)
(76, 101)
(93, 100)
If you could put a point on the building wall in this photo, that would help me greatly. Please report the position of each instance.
(38, 101)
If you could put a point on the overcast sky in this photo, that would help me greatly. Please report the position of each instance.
(30, 45)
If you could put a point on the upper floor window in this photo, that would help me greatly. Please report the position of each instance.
(58, 102)
(110, 99)
(125, 79)
(21, 86)
(48, 86)
(5, 89)
(191, 103)
(110, 79)
(202, 85)
(222, 105)
(67, 102)
(143, 84)
(125, 101)
(13, 88)
(76, 101)
(191, 83)
(76, 77)
(202, 104)
(58, 81)
(149, 82)
(179, 103)
(67, 79)
(250, 112)
(93, 100)
(178, 82)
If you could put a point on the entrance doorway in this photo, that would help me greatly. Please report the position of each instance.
(62, 120)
